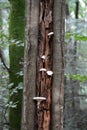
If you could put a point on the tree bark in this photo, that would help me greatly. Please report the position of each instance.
(30, 56)
(33, 53)
(16, 54)
(58, 66)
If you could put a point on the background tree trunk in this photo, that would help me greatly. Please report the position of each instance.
(58, 66)
(72, 102)
(31, 42)
(16, 32)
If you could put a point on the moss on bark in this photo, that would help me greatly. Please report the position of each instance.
(16, 31)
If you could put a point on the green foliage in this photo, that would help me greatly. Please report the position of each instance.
(4, 39)
(11, 104)
(6, 42)
(4, 4)
(15, 90)
(77, 77)
(76, 36)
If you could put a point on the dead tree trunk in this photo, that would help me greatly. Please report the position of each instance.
(58, 66)
(38, 79)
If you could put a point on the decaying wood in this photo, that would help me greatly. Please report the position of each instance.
(44, 82)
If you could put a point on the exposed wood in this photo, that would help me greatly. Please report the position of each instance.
(58, 66)
(44, 82)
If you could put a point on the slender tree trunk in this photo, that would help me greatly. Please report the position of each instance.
(72, 87)
(31, 42)
(58, 66)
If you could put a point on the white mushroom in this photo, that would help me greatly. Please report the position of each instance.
(43, 58)
(43, 69)
(51, 33)
(49, 73)
(39, 100)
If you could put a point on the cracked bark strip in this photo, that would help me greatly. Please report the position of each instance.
(43, 81)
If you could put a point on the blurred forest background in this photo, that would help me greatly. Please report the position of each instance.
(12, 25)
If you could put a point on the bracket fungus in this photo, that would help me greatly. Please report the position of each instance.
(51, 33)
(43, 69)
(49, 73)
(39, 100)
(43, 58)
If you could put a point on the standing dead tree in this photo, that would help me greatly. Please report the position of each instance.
(43, 60)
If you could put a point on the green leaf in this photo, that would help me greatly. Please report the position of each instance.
(76, 77)
(76, 36)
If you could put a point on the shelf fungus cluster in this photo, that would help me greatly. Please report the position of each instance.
(49, 72)
(43, 58)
